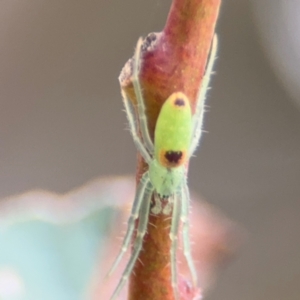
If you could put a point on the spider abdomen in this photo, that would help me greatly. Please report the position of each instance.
(173, 131)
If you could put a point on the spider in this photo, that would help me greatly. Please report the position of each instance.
(176, 137)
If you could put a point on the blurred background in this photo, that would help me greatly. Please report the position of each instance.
(62, 124)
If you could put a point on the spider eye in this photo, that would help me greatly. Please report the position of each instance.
(173, 157)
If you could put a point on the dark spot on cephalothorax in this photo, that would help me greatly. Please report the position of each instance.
(163, 197)
(179, 102)
(173, 157)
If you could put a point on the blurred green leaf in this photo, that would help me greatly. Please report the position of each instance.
(55, 260)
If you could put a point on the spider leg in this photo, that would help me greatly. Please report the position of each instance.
(198, 116)
(132, 125)
(138, 243)
(185, 200)
(174, 240)
(140, 100)
(143, 189)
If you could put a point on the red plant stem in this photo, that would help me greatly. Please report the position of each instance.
(176, 63)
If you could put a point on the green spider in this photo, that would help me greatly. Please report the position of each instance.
(176, 137)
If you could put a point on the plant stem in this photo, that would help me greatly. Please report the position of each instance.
(174, 62)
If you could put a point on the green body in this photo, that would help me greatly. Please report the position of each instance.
(171, 144)
(173, 128)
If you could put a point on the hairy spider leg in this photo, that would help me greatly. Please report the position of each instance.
(140, 99)
(174, 240)
(144, 188)
(138, 242)
(198, 116)
(185, 202)
(132, 125)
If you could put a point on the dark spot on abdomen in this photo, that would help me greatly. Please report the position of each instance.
(173, 157)
(179, 102)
